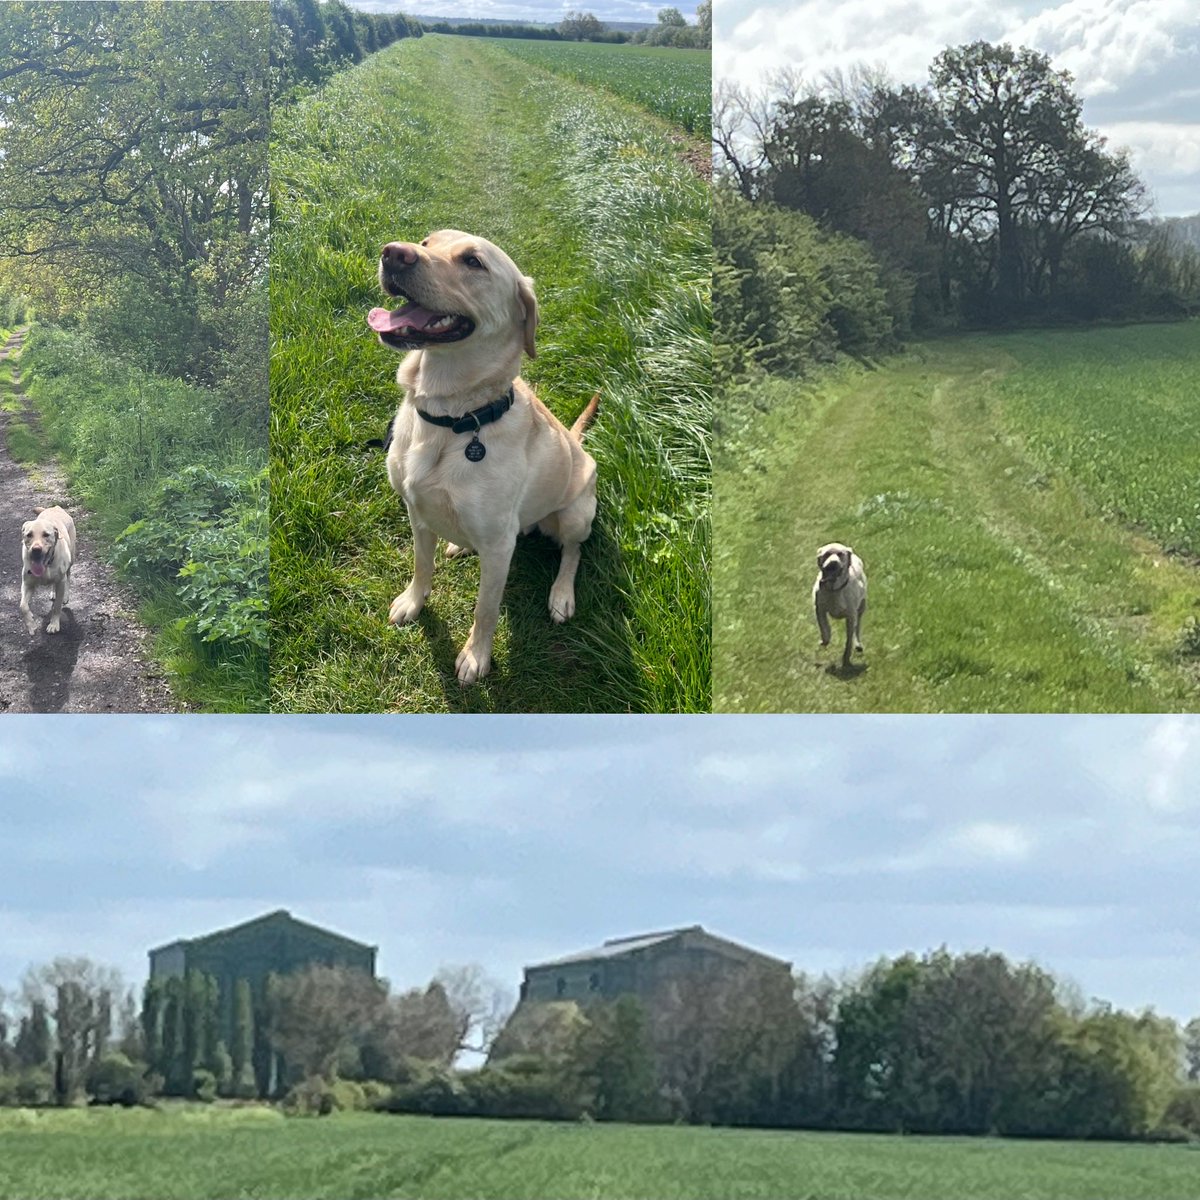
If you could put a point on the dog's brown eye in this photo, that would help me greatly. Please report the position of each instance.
(474, 263)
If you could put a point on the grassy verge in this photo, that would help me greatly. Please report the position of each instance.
(588, 196)
(175, 503)
(1007, 572)
(189, 1155)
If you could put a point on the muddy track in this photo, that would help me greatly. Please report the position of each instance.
(99, 662)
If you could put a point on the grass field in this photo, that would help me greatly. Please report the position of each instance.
(196, 1155)
(590, 196)
(1028, 509)
(675, 84)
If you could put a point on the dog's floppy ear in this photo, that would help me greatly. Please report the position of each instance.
(26, 528)
(529, 309)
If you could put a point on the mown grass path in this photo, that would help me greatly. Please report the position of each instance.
(98, 662)
(191, 1155)
(998, 581)
(589, 196)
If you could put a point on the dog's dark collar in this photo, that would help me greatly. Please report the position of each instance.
(476, 419)
(840, 585)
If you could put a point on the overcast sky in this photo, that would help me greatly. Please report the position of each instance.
(1136, 63)
(826, 841)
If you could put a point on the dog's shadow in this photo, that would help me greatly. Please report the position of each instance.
(849, 673)
(50, 663)
(533, 639)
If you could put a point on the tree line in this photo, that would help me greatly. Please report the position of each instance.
(939, 1044)
(311, 40)
(978, 199)
(75, 1034)
(671, 29)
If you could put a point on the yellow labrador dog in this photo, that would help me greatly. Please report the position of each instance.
(47, 552)
(841, 592)
(473, 452)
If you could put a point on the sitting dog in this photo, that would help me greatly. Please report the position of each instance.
(841, 592)
(47, 552)
(474, 453)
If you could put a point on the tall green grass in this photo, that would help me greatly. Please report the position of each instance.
(177, 502)
(1003, 573)
(589, 197)
(1116, 409)
(190, 1155)
(674, 84)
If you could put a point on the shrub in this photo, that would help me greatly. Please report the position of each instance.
(208, 529)
(204, 1086)
(311, 1097)
(1183, 1111)
(117, 1080)
(523, 1087)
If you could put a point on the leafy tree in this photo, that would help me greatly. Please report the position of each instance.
(134, 143)
(580, 26)
(539, 1030)
(1191, 1043)
(1000, 144)
(314, 1014)
(33, 1041)
(242, 1057)
(614, 1061)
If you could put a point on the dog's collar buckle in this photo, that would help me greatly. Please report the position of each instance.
(476, 419)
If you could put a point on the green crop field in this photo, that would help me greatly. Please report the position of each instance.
(675, 84)
(1028, 510)
(200, 1155)
(594, 198)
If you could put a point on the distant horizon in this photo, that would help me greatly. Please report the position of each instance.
(507, 841)
(533, 11)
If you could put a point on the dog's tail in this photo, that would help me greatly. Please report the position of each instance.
(585, 418)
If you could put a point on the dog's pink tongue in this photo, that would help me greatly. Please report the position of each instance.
(407, 316)
(37, 568)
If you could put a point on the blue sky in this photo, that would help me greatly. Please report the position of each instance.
(826, 841)
(1136, 62)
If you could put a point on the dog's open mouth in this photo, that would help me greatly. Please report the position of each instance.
(410, 326)
(37, 566)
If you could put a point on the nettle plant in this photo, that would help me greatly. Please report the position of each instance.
(209, 532)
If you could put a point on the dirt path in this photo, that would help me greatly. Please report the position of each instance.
(98, 663)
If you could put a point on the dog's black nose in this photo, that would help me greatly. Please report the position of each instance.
(35, 553)
(399, 254)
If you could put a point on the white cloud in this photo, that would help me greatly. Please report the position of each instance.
(1170, 785)
(994, 841)
(1159, 148)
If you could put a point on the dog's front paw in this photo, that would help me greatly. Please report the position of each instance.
(52, 626)
(471, 666)
(562, 604)
(407, 606)
(30, 622)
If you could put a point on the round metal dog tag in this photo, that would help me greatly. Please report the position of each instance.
(475, 450)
